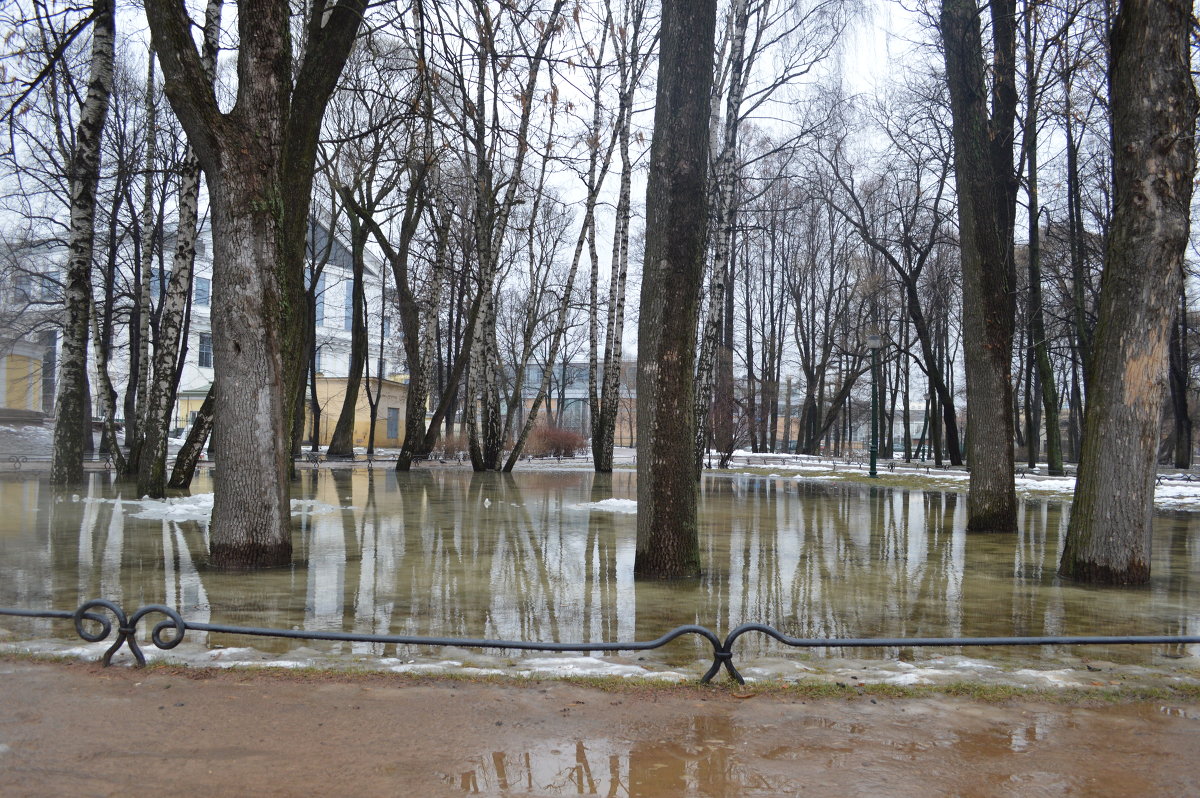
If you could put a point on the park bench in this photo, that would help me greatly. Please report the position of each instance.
(17, 461)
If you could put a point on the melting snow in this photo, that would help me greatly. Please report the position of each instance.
(609, 505)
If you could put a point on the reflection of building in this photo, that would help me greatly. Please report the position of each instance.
(567, 405)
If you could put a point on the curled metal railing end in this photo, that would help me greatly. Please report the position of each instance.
(127, 627)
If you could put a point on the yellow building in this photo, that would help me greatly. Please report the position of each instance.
(21, 382)
(389, 424)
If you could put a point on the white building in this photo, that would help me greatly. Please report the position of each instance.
(331, 263)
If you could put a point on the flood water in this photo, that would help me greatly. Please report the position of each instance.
(548, 556)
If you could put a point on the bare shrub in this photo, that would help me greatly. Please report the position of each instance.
(548, 441)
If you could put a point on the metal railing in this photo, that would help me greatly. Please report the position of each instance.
(127, 631)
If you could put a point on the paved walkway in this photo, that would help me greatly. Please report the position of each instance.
(81, 730)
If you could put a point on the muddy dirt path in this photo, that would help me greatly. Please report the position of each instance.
(80, 730)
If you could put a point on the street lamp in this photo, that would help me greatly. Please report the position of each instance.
(874, 343)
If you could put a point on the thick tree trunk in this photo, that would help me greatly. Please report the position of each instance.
(1154, 107)
(251, 444)
(983, 127)
(66, 467)
(259, 160)
(667, 537)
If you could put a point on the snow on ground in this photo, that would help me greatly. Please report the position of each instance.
(197, 507)
(609, 505)
(1174, 491)
(25, 439)
(1064, 671)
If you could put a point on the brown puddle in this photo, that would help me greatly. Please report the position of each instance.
(858, 748)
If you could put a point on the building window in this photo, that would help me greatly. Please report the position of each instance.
(320, 300)
(317, 361)
(203, 291)
(206, 352)
(22, 287)
(349, 307)
(387, 326)
(158, 282)
(393, 422)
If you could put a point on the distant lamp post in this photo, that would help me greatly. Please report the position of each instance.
(874, 343)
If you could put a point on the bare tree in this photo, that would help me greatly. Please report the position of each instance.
(1154, 108)
(259, 160)
(71, 402)
(175, 307)
(983, 102)
(676, 207)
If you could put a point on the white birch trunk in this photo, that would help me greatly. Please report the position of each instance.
(724, 221)
(71, 401)
(152, 459)
(135, 422)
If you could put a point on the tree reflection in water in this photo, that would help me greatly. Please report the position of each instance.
(542, 555)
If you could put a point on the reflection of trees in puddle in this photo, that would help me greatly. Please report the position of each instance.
(700, 760)
(455, 554)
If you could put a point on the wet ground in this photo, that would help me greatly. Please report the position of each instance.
(81, 730)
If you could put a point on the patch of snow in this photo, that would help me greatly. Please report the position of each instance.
(181, 508)
(313, 507)
(591, 666)
(198, 507)
(908, 678)
(609, 506)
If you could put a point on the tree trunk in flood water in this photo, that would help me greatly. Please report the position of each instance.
(983, 99)
(667, 535)
(71, 433)
(259, 159)
(1154, 115)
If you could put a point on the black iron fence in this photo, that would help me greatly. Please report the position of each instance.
(93, 625)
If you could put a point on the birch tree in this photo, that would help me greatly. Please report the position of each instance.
(152, 464)
(66, 466)
(766, 47)
(633, 36)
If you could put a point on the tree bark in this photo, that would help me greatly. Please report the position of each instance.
(667, 536)
(341, 443)
(66, 467)
(983, 125)
(1154, 107)
(259, 160)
